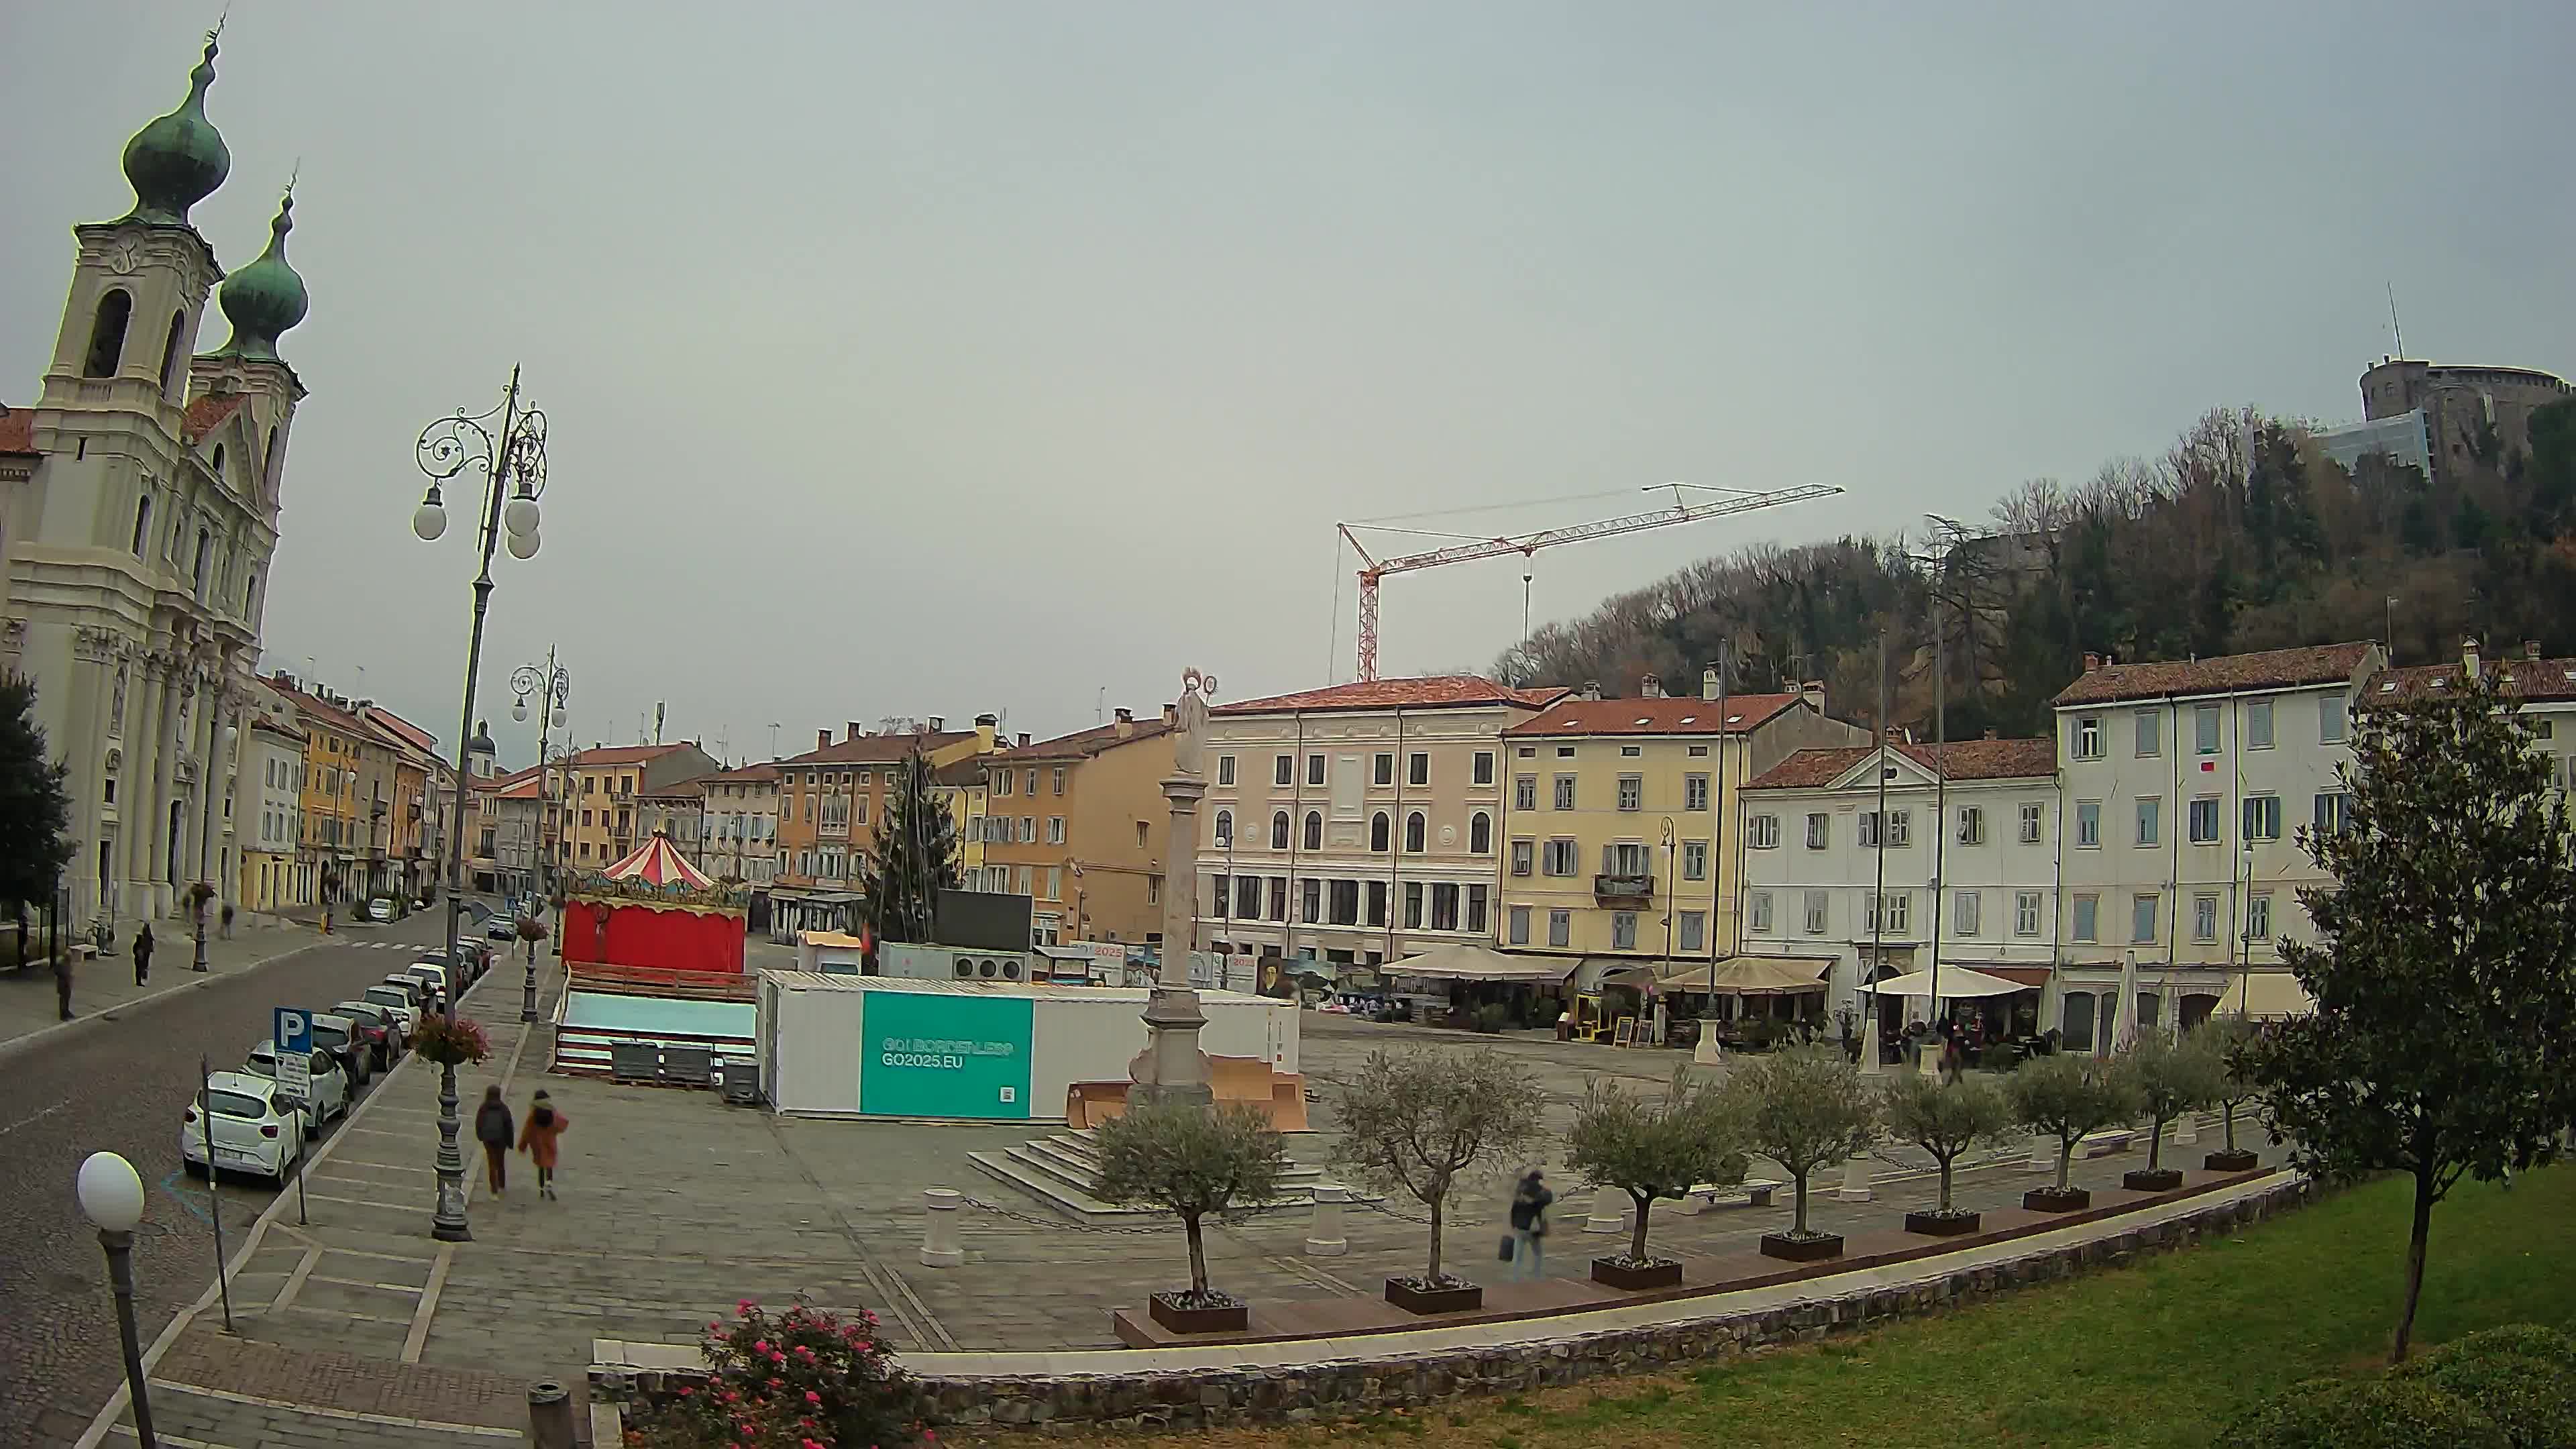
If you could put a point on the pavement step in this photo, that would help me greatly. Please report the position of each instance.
(1065, 1186)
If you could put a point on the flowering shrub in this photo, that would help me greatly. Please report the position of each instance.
(806, 1378)
(450, 1043)
(531, 929)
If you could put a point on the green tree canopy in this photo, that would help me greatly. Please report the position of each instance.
(1193, 1163)
(35, 813)
(913, 859)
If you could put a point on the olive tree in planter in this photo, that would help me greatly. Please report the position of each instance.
(1650, 1150)
(1193, 1163)
(1805, 1108)
(2166, 1079)
(1420, 1122)
(2227, 1038)
(2066, 1097)
(1947, 1122)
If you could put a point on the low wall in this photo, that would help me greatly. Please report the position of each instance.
(1343, 1387)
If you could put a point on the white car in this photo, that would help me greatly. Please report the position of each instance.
(402, 1001)
(329, 1097)
(431, 975)
(250, 1130)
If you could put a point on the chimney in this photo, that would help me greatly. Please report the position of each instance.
(1650, 687)
(1708, 682)
(1813, 691)
(1990, 734)
(2469, 657)
(988, 728)
(822, 739)
(2531, 649)
(1592, 689)
(1126, 723)
(852, 726)
(939, 724)
(1023, 739)
(1171, 714)
(2092, 661)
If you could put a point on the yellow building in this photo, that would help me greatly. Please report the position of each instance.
(333, 843)
(962, 788)
(1616, 819)
(831, 801)
(1079, 824)
(599, 806)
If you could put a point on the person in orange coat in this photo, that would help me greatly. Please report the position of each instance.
(544, 1128)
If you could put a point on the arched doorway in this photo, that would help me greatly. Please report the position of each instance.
(2077, 1024)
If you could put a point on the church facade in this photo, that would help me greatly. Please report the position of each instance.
(138, 516)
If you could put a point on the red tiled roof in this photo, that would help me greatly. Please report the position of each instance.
(759, 774)
(1434, 691)
(325, 711)
(402, 729)
(621, 754)
(1963, 759)
(18, 430)
(969, 771)
(1083, 744)
(878, 749)
(2532, 679)
(1653, 716)
(208, 413)
(2226, 674)
(273, 727)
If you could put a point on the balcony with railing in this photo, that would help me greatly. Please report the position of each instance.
(1623, 887)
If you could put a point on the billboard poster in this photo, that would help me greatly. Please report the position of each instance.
(936, 1055)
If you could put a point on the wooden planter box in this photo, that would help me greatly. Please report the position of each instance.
(1942, 1225)
(2162, 1179)
(2050, 1200)
(1661, 1273)
(1226, 1318)
(1461, 1299)
(2238, 1161)
(1802, 1250)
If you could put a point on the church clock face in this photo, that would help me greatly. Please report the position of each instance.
(123, 257)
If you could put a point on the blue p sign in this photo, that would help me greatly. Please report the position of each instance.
(292, 1029)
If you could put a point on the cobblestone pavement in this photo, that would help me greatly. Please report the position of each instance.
(120, 1083)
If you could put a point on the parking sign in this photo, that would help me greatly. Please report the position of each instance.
(292, 1029)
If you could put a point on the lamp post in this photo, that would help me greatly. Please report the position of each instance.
(552, 686)
(111, 1197)
(516, 456)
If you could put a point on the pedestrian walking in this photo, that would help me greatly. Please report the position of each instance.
(1530, 1202)
(494, 1129)
(143, 954)
(228, 920)
(545, 1128)
(62, 981)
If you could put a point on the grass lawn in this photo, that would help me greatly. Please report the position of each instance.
(2159, 1354)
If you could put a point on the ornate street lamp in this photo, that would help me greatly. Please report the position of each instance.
(552, 687)
(513, 463)
(111, 1197)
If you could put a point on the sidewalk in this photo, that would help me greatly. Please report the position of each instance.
(102, 985)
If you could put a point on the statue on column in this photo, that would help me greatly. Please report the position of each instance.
(1189, 731)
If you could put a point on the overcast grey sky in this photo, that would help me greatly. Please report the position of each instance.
(933, 359)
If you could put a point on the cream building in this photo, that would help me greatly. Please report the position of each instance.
(742, 825)
(1357, 824)
(269, 806)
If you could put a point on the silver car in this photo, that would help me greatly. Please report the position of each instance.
(328, 1096)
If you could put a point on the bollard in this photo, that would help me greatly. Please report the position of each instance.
(1608, 1213)
(939, 1245)
(2186, 1129)
(2043, 1153)
(1324, 1237)
(549, 1415)
(1855, 1186)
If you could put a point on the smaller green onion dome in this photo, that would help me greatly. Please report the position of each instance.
(264, 299)
(178, 160)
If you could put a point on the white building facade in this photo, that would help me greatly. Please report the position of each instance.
(741, 825)
(269, 808)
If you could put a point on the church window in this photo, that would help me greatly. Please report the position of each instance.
(219, 463)
(107, 333)
(170, 349)
(142, 523)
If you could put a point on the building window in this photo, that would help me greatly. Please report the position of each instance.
(1525, 792)
(2204, 918)
(1899, 828)
(1694, 792)
(1224, 827)
(1001, 782)
(2026, 913)
(1560, 927)
(1314, 769)
(1565, 792)
(2258, 725)
(1560, 857)
(2088, 918)
(1055, 883)
(1059, 779)
(1247, 896)
(1314, 830)
(1623, 930)
(1279, 830)
(107, 333)
(1377, 903)
(1762, 832)
(2258, 917)
(1519, 925)
(1055, 828)
(2330, 720)
(1484, 774)
(1480, 834)
(1279, 898)
(1378, 832)
(1819, 909)
(1820, 830)
(2204, 820)
(1417, 769)
(2151, 733)
(1889, 913)
(2262, 817)
(1476, 892)
(2151, 819)
(1632, 792)
(1028, 830)
(2088, 823)
(1382, 768)
(1965, 908)
(1283, 771)
(2030, 818)
(1153, 890)
(1311, 904)
(1758, 908)
(1225, 769)
(1524, 855)
(1346, 903)
(1694, 860)
(1565, 752)
(1414, 829)
(2204, 730)
(2334, 812)
(142, 523)
(1413, 905)
(1972, 825)
(2088, 737)
(2142, 918)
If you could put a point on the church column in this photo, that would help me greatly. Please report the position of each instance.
(84, 748)
(166, 746)
(137, 803)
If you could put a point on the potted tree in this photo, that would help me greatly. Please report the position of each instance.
(2166, 1079)
(1947, 1122)
(1192, 1162)
(2227, 1038)
(1652, 1150)
(1417, 1124)
(1804, 1108)
(2066, 1096)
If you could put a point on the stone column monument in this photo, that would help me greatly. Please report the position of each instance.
(1172, 1071)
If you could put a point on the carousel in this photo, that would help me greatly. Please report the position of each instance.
(653, 911)
(652, 950)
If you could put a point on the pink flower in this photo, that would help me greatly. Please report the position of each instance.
(812, 1397)
(744, 1307)
(761, 1346)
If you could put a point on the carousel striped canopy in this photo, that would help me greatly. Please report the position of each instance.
(655, 863)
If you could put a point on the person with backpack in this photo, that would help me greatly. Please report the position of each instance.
(143, 954)
(494, 1128)
(1530, 1202)
(538, 1139)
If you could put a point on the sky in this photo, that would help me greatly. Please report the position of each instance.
(914, 360)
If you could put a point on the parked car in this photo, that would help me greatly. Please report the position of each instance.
(249, 1130)
(384, 1032)
(504, 927)
(384, 908)
(412, 986)
(398, 1000)
(433, 977)
(338, 1035)
(329, 1096)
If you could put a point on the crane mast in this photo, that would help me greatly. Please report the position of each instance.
(1374, 570)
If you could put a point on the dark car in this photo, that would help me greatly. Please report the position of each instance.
(340, 1036)
(377, 1023)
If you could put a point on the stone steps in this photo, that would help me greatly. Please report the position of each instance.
(1060, 1171)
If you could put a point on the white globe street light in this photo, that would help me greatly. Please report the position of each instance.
(111, 1194)
(519, 515)
(429, 520)
(111, 1197)
(523, 545)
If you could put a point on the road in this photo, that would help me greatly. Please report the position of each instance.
(121, 1084)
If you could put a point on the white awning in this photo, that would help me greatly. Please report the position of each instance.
(1956, 982)
(1734, 976)
(1476, 963)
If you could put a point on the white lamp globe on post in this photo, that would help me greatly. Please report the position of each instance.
(429, 520)
(519, 711)
(111, 1197)
(520, 514)
(523, 545)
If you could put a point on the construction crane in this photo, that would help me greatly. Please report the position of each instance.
(1470, 547)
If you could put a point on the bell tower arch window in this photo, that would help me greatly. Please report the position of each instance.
(107, 333)
(170, 350)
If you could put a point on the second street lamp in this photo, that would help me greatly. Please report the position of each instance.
(514, 459)
(552, 687)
